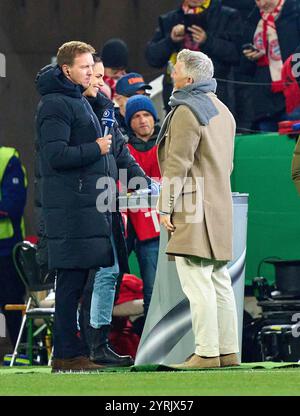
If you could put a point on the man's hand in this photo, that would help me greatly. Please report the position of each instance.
(253, 55)
(198, 34)
(177, 34)
(165, 220)
(104, 144)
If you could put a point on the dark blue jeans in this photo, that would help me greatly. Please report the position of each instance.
(147, 256)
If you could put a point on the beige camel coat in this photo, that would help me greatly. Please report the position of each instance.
(199, 199)
(296, 166)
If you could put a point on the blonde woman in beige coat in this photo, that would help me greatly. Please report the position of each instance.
(196, 155)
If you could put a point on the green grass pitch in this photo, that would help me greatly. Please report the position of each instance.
(232, 382)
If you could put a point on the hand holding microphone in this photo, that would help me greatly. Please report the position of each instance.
(107, 121)
(104, 143)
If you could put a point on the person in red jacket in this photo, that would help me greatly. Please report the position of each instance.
(143, 226)
(291, 85)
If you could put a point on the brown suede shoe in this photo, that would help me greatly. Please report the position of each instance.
(196, 362)
(189, 357)
(229, 360)
(73, 365)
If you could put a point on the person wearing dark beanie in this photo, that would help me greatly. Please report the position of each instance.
(115, 60)
(115, 54)
(139, 103)
(142, 234)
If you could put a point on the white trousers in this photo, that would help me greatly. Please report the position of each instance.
(207, 285)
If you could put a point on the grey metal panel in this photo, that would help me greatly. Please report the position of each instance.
(167, 337)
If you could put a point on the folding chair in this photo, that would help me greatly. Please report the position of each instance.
(24, 256)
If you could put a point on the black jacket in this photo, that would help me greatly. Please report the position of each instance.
(245, 7)
(119, 158)
(125, 130)
(222, 46)
(71, 163)
(266, 103)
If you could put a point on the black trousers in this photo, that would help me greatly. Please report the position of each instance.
(69, 289)
(12, 291)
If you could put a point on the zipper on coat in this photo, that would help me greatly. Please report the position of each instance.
(80, 184)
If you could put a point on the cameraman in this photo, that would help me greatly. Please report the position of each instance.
(199, 25)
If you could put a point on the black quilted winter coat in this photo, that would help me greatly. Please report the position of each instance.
(70, 164)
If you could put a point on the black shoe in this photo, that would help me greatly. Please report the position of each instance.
(104, 355)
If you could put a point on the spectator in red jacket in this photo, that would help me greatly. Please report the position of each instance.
(143, 226)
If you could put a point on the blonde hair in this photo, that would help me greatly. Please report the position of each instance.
(69, 50)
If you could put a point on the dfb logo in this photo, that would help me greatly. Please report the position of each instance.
(2, 326)
(2, 66)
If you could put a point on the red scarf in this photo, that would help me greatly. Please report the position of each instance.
(266, 40)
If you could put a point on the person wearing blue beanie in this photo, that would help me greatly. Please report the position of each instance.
(139, 103)
(142, 235)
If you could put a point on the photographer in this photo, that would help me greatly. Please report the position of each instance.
(199, 25)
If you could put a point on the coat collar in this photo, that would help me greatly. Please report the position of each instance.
(165, 126)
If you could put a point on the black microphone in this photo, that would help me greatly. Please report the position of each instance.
(108, 120)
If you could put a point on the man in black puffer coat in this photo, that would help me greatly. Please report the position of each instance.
(220, 40)
(73, 156)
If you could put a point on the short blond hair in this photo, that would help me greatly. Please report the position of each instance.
(69, 50)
